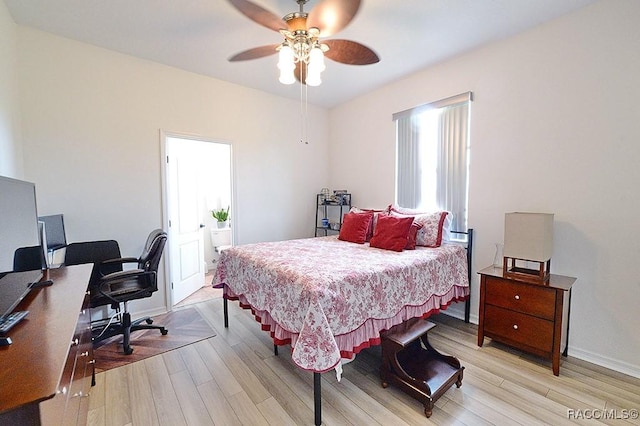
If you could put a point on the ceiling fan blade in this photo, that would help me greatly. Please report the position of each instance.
(350, 52)
(330, 16)
(259, 14)
(255, 53)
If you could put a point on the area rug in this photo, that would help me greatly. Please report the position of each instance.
(185, 326)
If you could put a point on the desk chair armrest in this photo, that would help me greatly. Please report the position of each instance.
(123, 275)
(105, 265)
(119, 260)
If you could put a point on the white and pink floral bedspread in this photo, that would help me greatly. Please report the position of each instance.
(331, 298)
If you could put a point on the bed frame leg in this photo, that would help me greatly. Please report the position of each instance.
(225, 305)
(317, 399)
(467, 305)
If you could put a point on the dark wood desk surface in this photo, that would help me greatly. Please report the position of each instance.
(31, 367)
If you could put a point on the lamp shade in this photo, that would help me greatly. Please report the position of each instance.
(528, 236)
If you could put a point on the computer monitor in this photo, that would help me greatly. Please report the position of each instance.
(19, 233)
(54, 230)
(14, 286)
(18, 219)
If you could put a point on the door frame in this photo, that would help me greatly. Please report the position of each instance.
(164, 135)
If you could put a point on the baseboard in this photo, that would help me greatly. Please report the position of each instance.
(603, 361)
(458, 313)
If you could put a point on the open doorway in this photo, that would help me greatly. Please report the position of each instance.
(197, 181)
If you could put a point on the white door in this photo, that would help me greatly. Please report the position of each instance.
(186, 241)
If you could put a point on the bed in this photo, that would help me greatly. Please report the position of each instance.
(329, 299)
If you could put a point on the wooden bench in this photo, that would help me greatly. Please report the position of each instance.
(412, 364)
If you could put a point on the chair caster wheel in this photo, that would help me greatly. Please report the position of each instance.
(149, 321)
(128, 351)
(164, 332)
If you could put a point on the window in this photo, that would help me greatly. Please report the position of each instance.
(432, 151)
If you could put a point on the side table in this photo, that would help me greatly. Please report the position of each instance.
(532, 317)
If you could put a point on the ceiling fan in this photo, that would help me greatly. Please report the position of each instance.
(302, 52)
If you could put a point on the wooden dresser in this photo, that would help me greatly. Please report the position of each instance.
(45, 374)
(531, 317)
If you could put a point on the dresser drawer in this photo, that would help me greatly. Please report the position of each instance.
(518, 328)
(529, 299)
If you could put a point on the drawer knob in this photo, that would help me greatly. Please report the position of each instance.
(517, 297)
(515, 326)
(75, 342)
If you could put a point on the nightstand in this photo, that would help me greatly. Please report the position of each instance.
(531, 317)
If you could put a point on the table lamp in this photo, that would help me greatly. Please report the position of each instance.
(528, 237)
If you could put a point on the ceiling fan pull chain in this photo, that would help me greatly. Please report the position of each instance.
(304, 109)
(306, 114)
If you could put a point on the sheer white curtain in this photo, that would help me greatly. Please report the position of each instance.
(450, 142)
(453, 152)
(408, 179)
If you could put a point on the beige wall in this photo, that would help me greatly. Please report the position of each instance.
(10, 148)
(554, 128)
(92, 120)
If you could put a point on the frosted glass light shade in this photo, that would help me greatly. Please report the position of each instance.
(286, 65)
(316, 59)
(287, 76)
(313, 77)
(285, 57)
(528, 236)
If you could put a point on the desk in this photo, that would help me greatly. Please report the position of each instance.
(51, 358)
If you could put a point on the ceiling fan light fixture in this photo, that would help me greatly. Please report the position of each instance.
(301, 47)
(316, 59)
(286, 64)
(285, 57)
(316, 66)
(302, 52)
(287, 76)
(313, 78)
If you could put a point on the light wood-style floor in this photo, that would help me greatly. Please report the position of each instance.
(235, 379)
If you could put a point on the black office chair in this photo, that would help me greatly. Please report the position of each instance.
(29, 259)
(94, 252)
(117, 288)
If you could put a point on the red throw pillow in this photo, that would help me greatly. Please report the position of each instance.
(354, 227)
(374, 218)
(392, 233)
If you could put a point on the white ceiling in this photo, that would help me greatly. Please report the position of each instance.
(200, 35)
